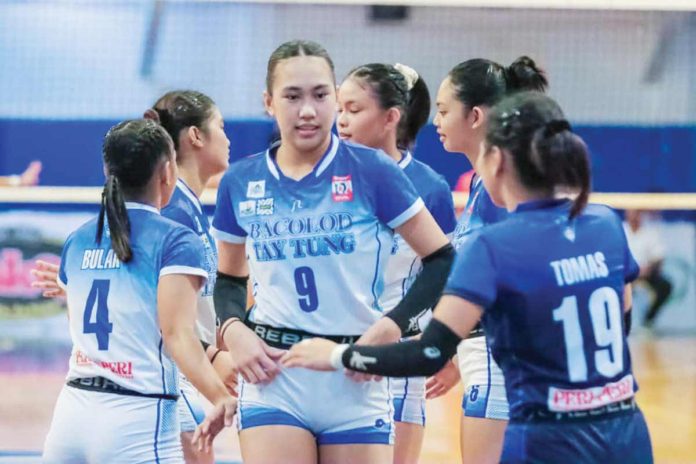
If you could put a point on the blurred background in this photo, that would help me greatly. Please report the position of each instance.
(624, 72)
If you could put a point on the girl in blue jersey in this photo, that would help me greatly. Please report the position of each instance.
(464, 101)
(384, 106)
(550, 296)
(197, 129)
(312, 220)
(131, 279)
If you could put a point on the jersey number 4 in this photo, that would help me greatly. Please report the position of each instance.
(101, 326)
(605, 315)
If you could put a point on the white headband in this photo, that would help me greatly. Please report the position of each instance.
(409, 74)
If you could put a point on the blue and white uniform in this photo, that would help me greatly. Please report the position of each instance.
(186, 209)
(317, 250)
(484, 386)
(116, 336)
(402, 269)
(552, 295)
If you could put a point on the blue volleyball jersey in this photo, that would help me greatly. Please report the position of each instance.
(113, 305)
(404, 264)
(552, 293)
(186, 209)
(479, 211)
(317, 247)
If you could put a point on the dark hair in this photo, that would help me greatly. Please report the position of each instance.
(181, 109)
(479, 82)
(291, 49)
(391, 88)
(546, 153)
(132, 151)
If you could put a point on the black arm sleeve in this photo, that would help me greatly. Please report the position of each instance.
(229, 297)
(423, 357)
(425, 291)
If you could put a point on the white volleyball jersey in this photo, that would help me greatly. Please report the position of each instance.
(186, 209)
(113, 305)
(404, 264)
(318, 246)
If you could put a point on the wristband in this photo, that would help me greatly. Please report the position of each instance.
(337, 356)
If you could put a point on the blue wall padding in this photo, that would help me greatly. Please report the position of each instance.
(625, 158)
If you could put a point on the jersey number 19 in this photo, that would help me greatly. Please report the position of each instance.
(605, 315)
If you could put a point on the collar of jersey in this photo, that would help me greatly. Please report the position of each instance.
(321, 166)
(136, 205)
(546, 203)
(405, 160)
(186, 190)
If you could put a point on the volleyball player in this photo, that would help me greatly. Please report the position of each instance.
(131, 282)
(384, 106)
(550, 296)
(314, 216)
(464, 100)
(196, 126)
(197, 129)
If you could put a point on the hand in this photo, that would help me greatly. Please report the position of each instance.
(314, 354)
(382, 332)
(256, 361)
(443, 381)
(30, 176)
(46, 275)
(220, 417)
(224, 366)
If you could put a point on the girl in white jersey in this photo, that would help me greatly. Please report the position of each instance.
(384, 106)
(464, 101)
(312, 220)
(197, 129)
(131, 283)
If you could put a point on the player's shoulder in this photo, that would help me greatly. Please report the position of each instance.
(362, 155)
(419, 172)
(85, 233)
(180, 209)
(248, 167)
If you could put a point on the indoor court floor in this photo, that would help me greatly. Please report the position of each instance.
(664, 366)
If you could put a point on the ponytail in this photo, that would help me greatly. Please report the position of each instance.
(114, 206)
(547, 155)
(416, 114)
(524, 74)
(561, 158)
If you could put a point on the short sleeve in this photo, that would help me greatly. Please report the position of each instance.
(397, 199)
(62, 279)
(225, 225)
(183, 253)
(441, 206)
(473, 275)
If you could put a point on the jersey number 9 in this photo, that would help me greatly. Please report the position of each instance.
(101, 327)
(306, 287)
(605, 315)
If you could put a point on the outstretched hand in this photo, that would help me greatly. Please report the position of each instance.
(314, 353)
(46, 275)
(220, 417)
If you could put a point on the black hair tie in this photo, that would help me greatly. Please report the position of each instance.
(556, 126)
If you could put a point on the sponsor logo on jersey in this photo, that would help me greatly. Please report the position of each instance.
(247, 208)
(341, 188)
(264, 207)
(256, 189)
(567, 400)
(121, 368)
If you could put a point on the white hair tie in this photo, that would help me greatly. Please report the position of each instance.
(409, 74)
